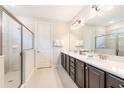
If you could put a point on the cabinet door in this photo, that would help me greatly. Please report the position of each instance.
(72, 68)
(67, 63)
(80, 74)
(114, 82)
(94, 77)
(63, 60)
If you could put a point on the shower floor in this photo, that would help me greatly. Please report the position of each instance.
(12, 79)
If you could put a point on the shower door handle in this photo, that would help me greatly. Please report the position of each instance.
(20, 53)
(38, 51)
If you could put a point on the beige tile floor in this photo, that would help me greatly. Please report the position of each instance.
(50, 78)
(65, 78)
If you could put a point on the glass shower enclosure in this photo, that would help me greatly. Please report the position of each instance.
(11, 49)
(121, 44)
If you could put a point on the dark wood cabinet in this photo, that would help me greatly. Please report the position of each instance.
(72, 68)
(80, 74)
(114, 82)
(85, 75)
(67, 63)
(95, 78)
(63, 60)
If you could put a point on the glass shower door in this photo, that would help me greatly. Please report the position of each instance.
(121, 44)
(11, 49)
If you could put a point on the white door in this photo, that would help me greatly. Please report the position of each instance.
(44, 45)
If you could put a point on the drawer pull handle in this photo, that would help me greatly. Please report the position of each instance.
(85, 67)
(121, 86)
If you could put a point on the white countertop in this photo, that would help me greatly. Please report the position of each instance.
(113, 67)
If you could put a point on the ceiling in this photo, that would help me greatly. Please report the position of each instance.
(54, 12)
(108, 17)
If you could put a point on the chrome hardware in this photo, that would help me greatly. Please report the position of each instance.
(121, 86)
(103, 57)
(38, 51)
(85, 67)
(10, 80)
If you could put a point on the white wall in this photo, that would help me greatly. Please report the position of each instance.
(75, 36)
(60, 32)
(115, 26)
(28, 64)
(100, 30)
(28, 22)
(1, 71)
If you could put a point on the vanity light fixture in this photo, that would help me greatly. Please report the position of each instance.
(77, 24)
(96, 7)
(97, 10)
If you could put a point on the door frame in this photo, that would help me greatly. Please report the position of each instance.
(51, 41)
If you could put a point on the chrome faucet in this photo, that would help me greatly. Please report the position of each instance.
(104, 57)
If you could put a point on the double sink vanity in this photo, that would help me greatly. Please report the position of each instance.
(91, 72)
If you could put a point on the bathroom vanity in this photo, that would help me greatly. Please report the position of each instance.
(89, 72)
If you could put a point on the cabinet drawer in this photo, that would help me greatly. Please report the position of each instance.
(72, 70)
(72, 64)
(72, 59)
